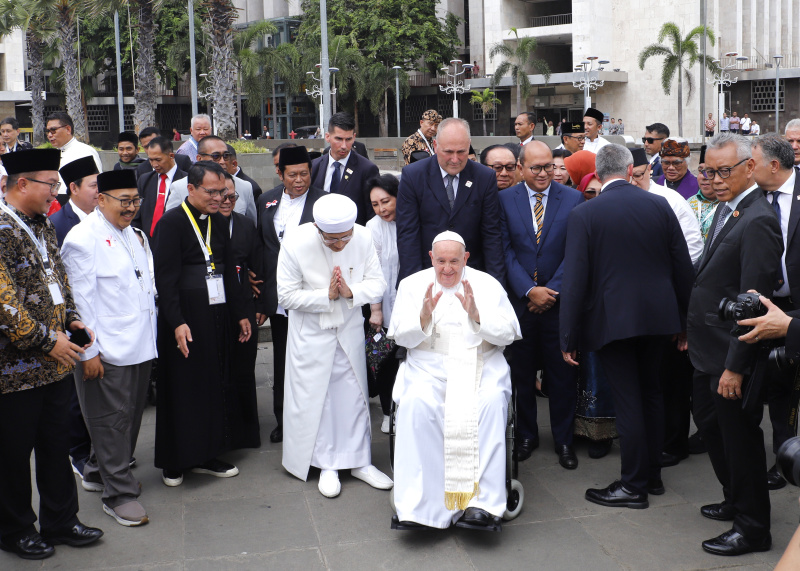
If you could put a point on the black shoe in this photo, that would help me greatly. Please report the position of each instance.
(615, 496)
(774, 479)
(477, 516)
(696, 444)
(599, 448)
(276, 435)
(525, 447)
(734, 543)
(720, 512)
(656, 487)
(668, 459)
(566, 457)
(31, 546)
(77, 536)
(217, 468)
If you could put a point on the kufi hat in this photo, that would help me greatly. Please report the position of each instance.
(129, 137)
(570, 127)
(594, 114)
(449, 236)
(32, 160)
(432, 115)
(579, 164)
(702, 154)
(77, 169)
(113, 180)
(334, 213)
(639, 157)
(675, 147)
(293, 156)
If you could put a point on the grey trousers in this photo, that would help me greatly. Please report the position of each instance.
(113, 407)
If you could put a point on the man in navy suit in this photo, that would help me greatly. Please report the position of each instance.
(449, 192)
(80, 176)
(342, 170)
(625, 293)
(534, 231)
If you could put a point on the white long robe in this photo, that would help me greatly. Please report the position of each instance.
(319, 330)
(420, 394)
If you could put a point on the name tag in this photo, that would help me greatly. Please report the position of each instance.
(216, 290)
(55, 293)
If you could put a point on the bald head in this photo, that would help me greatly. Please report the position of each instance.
(533, 151)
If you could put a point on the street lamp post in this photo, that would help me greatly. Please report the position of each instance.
(777, 59)
(722, 78)
(318, 90)
(397, 69)
(325, 77)
(586, 81)
(192, 60)
(454, 84)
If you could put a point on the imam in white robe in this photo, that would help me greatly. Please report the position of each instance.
(420, 388)
(326, 419)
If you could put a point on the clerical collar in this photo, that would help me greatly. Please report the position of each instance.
(195, 212)
(68, 144)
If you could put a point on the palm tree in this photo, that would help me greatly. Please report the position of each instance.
(380, 79)
(682, 57)
(218, 22)
(516, 64)
(486, 100)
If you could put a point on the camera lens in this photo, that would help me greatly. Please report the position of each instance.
(789, 460)
(725, 310)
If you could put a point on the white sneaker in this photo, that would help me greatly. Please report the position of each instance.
(374, 477)
(92, 486)
(329, 485)
(385, 424)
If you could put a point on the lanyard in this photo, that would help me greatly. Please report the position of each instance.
(129, 248)
(38, 242)
(204, 246)
(427, 144)
(286, 209)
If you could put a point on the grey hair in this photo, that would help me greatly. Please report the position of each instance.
(793, 124)
(201, 116)
(452, 121)
(776, 148)
(612, 160)
(743, 148)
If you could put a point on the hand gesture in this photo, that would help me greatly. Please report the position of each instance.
(183, 336)
(244, 327)
(569, 357)
(92, 369)
(730, 385)
(541, 299)
(65, 352)
(468, 302)
(428, 305)
(344, 289)
(773, 325)
(376, 316)
(333, 288)
(254, 283)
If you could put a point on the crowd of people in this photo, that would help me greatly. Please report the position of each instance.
(588, 275)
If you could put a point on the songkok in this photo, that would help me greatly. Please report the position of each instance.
(639, 157)
(579, 164)
(594, 114)
(78, 169)
(569, 128)
(449, 236)
(334, 213)
(113, 180)
(32, 160)
(702, 154)
(293, 156)
(129, 137)
(675, 147)
(432, 115)
(417, 156)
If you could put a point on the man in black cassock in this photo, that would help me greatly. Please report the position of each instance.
(199, 295)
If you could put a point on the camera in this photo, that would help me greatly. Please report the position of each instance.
(746, 306)
(788, 460)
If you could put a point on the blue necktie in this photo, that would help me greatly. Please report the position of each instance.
(777, 207)
(336, 177)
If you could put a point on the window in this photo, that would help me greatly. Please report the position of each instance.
(762, 95)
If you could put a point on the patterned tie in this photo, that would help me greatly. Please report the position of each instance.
(538, 213)
(723, 216)
(160, 202)
(336, 177)
(451, 193)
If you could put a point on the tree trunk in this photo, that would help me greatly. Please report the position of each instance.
(355, 113)
(222, 76)
(484, 123)
(680, 101)
(36, 65)
(383, 119)
(274, 110)
(72, 80)
(144, 114)
(519, 99)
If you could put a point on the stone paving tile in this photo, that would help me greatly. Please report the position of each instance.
(289, 560)
(435, 550)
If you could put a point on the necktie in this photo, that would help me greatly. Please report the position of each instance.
(723, 216)
(160, 202)
(451, 193)
(538, 213)
(773, 198)
(336, 177)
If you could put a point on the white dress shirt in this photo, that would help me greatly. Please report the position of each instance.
(532, 199)
(784, 195)
(595, 145)
(168, 182)
(526, 141)
(686, 218)
(329, 172)
(75, 150)
(289, 212)
(445, 174)
(78, 212)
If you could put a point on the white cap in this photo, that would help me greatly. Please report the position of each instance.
(335, 213)
(448, 236)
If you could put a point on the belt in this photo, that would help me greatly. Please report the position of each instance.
(194, 276)
(439, 342)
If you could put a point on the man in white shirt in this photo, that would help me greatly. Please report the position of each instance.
(593, 124)
(110, 278)
(60, 134)
(524, 125)
(745, 124)
(200, 128)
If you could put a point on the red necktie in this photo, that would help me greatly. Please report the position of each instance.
(162, 198)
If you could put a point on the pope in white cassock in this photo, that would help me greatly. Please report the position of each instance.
(452, 392)
(326, 271)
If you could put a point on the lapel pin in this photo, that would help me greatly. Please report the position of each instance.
(736, 214)
(798, 198)
(468, 184)
(348, 171)
(346, 177)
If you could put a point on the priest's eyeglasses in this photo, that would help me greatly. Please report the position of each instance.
(213, 192)
(536, 169)
(54, 186)
(332, 241)
(724, 172)
(125, 202)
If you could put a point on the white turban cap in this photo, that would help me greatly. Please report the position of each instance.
(448, 236)
(335, 213)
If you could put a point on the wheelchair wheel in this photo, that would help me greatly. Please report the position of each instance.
(392, 434)
(391, 500)
(514, 501)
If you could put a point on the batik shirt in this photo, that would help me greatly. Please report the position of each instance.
(703, 209)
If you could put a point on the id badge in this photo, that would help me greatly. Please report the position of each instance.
(216, 290)
(55, 293)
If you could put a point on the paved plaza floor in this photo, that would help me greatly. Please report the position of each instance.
(267, 519)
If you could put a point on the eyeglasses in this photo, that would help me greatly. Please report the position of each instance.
(216, 156)
(651, 140)
(508, 168)
(579, 138)
(639, 176)
(212, 192)
(52, 130)
(724, 172)
(332, 241)
(672, 164)
(231, 197)
(536, 169)
(125, 202)
(54, 186)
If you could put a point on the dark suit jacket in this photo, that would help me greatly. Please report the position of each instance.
(246, 254)
(353, 184)
(64, 220)
(523, 256)
(138, 161)
(657, 170)
(423, 212)
(267, 302)
(793, 245)
(627, 270)
(746, 255)
(148, 190)
(256, 188)
(184, 163)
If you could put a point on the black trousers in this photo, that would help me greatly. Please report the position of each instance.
(676, 384)
(633, 370)
(280, 332)
(80, 443)
(735, 445)
(36, 420)
(779, 394)
(539, 350)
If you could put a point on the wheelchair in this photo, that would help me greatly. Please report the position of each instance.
(515, 494)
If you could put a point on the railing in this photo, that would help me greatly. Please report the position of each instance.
(758, 62)
(555, 20)
(419, 79)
